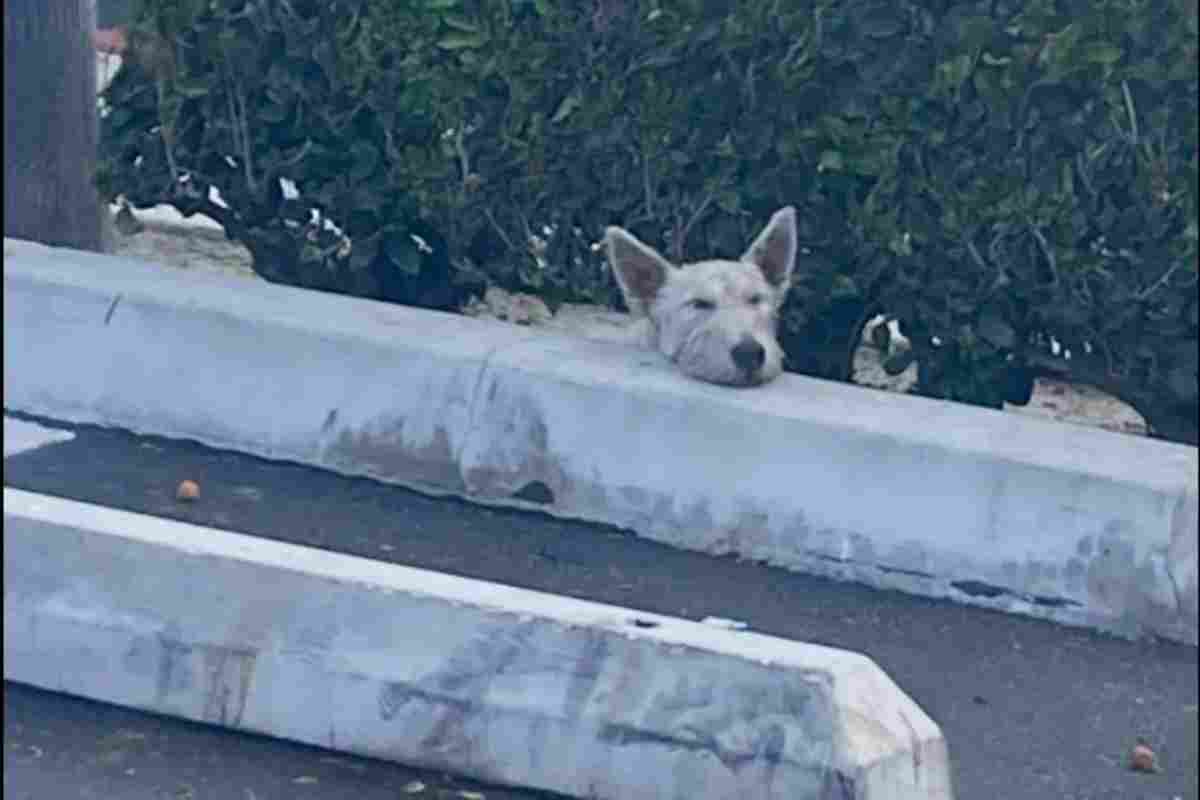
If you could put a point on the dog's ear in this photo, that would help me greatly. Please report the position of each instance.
(640, 270)
(774, 251)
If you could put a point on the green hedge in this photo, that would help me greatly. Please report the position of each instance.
(995, 175)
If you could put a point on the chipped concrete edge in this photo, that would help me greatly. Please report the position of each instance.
(503, 684)
(1062, 522)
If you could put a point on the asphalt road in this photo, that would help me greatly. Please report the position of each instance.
(58, 747)
(1031, 710)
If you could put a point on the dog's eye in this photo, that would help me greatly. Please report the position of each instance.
(757, 299)
(700, 304)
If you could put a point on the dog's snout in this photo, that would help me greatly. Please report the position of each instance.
(748, 355)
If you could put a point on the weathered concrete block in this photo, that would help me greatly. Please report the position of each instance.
(20, 436)
(491, 681)
(1074, 524)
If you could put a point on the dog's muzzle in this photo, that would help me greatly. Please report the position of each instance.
(748, 356)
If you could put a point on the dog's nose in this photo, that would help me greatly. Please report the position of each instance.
(748, 355)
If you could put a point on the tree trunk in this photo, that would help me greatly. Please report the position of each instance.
(50, 123)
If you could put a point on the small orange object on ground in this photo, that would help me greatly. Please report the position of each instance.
(188, 490)
(1142, 759)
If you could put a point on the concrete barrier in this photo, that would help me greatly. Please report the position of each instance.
(1074, 524)
(20, 437)
(503, 684)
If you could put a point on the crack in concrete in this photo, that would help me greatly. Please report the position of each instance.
(112, 308)
(474, 404)
(1176, 592)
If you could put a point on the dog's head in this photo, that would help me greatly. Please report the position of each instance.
(715, 319)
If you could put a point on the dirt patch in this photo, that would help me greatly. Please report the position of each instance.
(1065, 402)
(184, 248)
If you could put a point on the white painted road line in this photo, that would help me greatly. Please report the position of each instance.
(504, 684)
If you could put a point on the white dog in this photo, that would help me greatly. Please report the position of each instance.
(715, 320)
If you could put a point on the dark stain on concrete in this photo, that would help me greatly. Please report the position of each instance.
(1054, 602)
(535, 492)
(989, 591)
(1110, 578)
(383, 453)
(173, 673)
(914, 573)
(700, 711)
(585, 673)
(536, 477)
(980, 589)
(229, 673)
(454, 692)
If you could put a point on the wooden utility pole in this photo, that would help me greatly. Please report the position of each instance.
(50, 123)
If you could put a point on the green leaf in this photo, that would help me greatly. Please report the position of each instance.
(996, 332)
(725, 147)
(462, 41)
(190, 89)
(831, 161)
(363, 252)
(882, 21)
(901, 244)
(273, 113)
(951, 74)
(569, 103)
(366, 160)
(460, 24)
(1183, 384)
(1101, 53)
(843, 287)
(402, 251)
